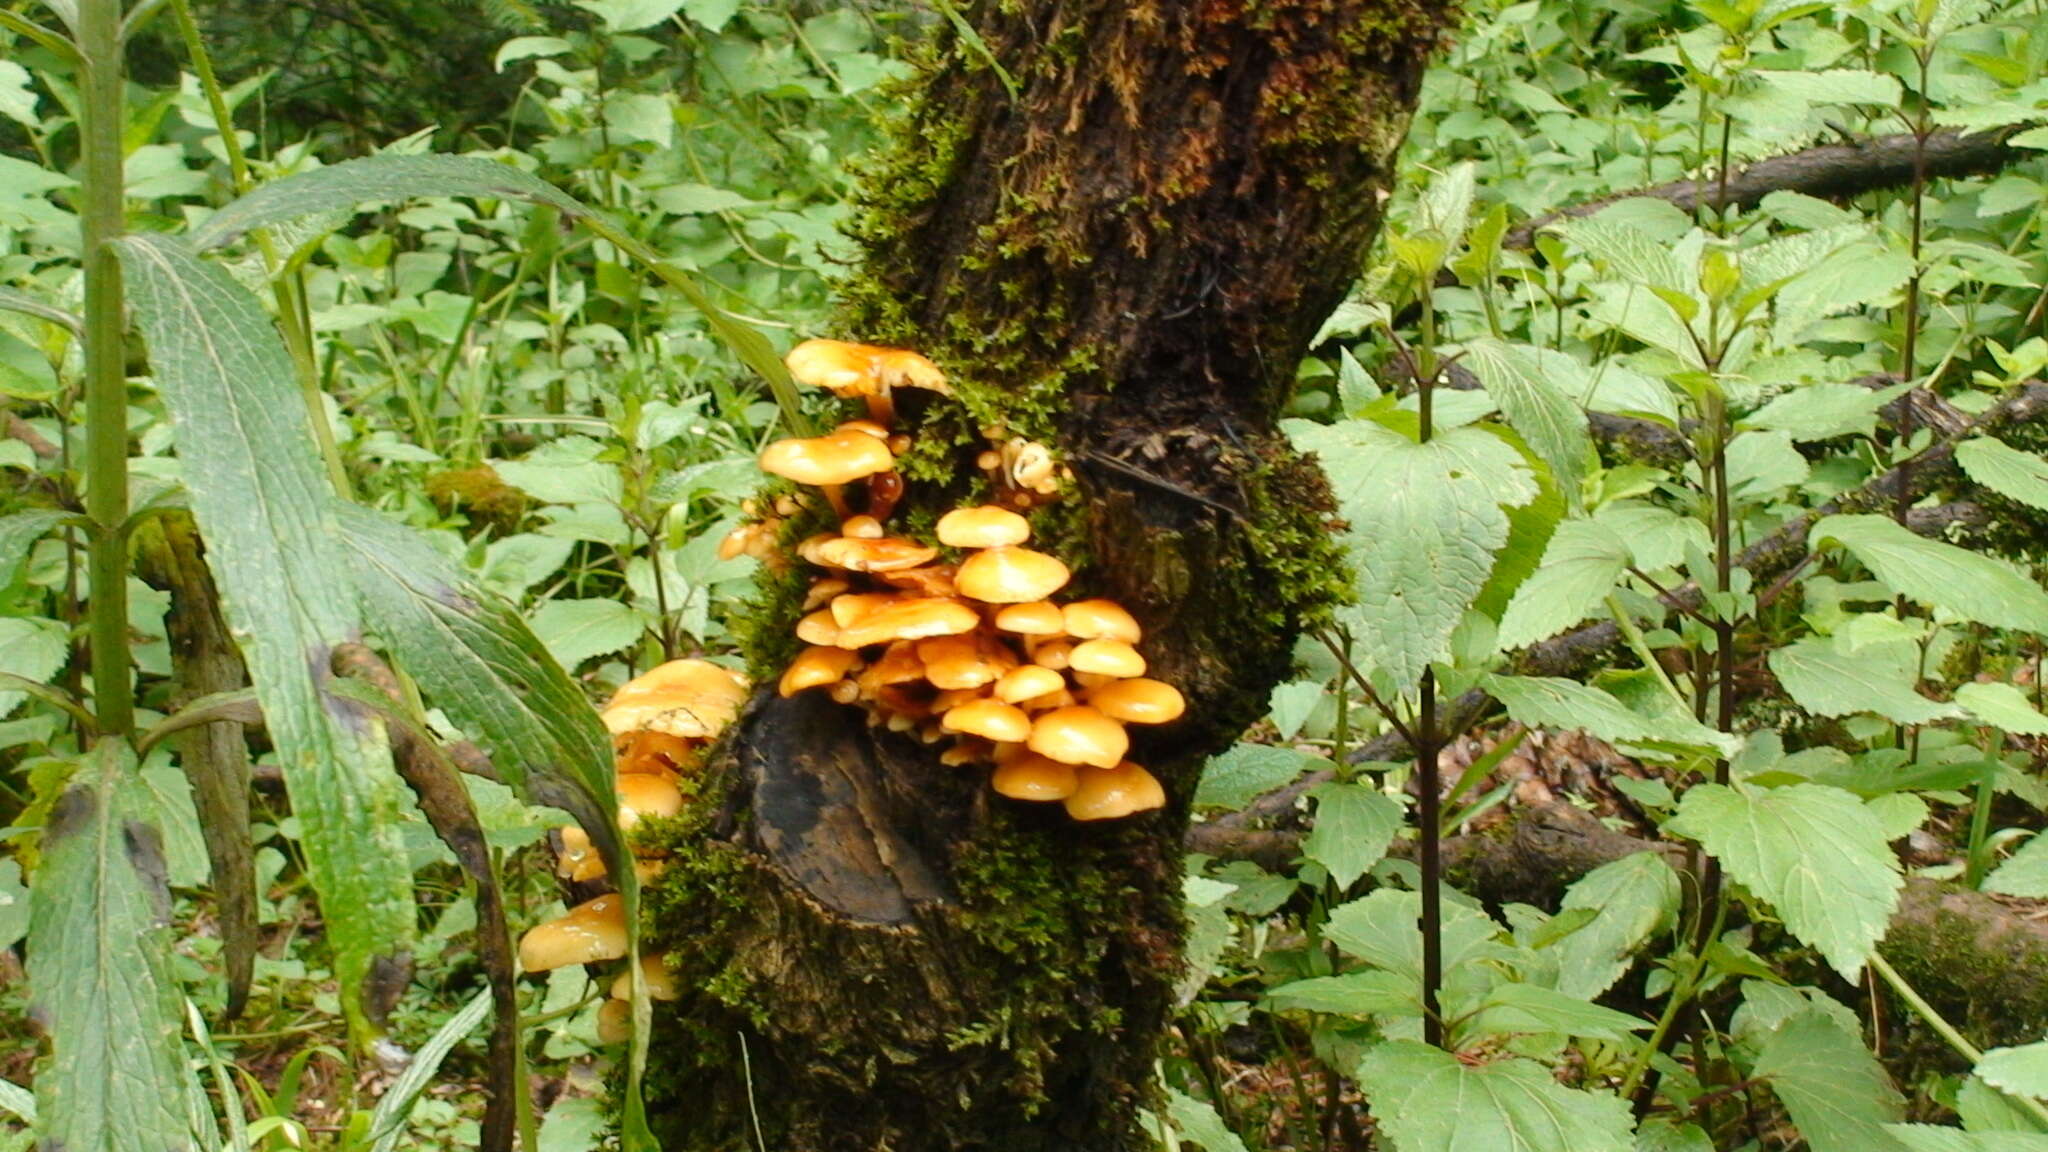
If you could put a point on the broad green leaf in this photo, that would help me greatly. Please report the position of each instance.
(1956, 580)
(475, 659)
(1579, 569)
(1540, 391)
(1635, 897)
(1373, 993)
(1760, 463)
(2023, 1071)
(1428, 1100)
(17, 1101)
(19, 533)
(1931, 1138)
(1384, 929)
(2006, 470)
(1837, 1092)
(1659, 1134)
(631, 15)
(1816, 853)
(99, 974)
(1983, 1108)
(1553, 702)
(2003, 706)
(576, 630)
(1248, 771)
(12, 300)
(1820, 412)
(268, 517)
(2024, 873)
(1532, 1009)
(1425, 522)
(33, 649)
(13, 904)
(528, 47)
(1628, 252)
(1198, 1123)
(1827, 678)
(1354, 825)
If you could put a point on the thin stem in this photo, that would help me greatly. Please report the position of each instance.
(1681, 995)
(1426, 742)
(1946, 1030)
(106, 362)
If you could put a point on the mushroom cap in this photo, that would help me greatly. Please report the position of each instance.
(1106, 658)
(900, 368)
(960, 662)
(987, 526)
(1034, 777)
(1079, 735)
(661, 983)
(644, 795)
(593, 931)
(913, 619)
(1106, 794)
(1053, 654)
(614, 1022)
(818, 627)
(991, 719)
(888, 554)
(843, 369)
(690, 698)
(646, 751)
(929, 580)
(852, 606)
(1138, 701)
(834, 458)
(1027, 681)
(1010, 575)
(862, 528)
(898, 665)
(1036, 618)
(1089, 619)
(873, 428)
(579, 861)
(815, 666)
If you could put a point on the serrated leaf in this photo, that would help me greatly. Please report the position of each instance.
(1425, 522)
(18, 535)
(1814, 852)
(2006, 470)
(1554, 702)
(576, 630)
(1361, 994)
(1827, 678)
(33, 649)
(1384, 929)
(1427, 1100)
(1628, 252)
(1820, 412)
(2021, 1070)
(1354, 824)
(1540, 391)
(1658, 1134)
(267, 514)
(1635, 897)
(1198, 1123)
(2003, 706)
(1530, 1009)
(1836, 1091)
(1955, 580)
(1579, 568)
(2024, 873)
(1931, 1138)
(99, 947)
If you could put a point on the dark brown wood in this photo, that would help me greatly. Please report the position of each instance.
(1124, 259)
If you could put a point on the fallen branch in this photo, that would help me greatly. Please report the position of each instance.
(1829, 171)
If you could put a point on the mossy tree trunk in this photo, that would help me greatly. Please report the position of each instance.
(1116, 224)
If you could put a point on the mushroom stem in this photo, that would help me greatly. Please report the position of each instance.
(882, 407)
(836, 494)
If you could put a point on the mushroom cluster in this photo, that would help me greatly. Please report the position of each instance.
(972, 652)
(660, 722)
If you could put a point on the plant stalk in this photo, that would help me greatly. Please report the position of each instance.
(101, 115)
(1427, 739)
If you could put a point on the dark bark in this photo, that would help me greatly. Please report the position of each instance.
(1124, 260)
(1829, 171)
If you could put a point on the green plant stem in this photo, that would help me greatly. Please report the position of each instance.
(101, 116)
(1641, 647)
(1946, 1030)
(1980, 831)
(1681, 996)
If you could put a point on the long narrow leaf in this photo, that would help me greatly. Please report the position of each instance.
(98, 943)
(268, 518)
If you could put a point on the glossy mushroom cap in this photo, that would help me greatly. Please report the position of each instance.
(1034, 777)
(854, 554)
(834, 458)
(846, 369)
(579, 861)
(1010, 575)
(1079, 735)
(646, 795)
(593, 931)
(614, 1022)
(985, 527)
(815, 666)
(689, 698)
(991, 719)
(1109, 793)
(1106, 658)
(661, 984)
(1089, 619)
(914, 619)
(1037, 618)
(1027, 682)
(1138, 701)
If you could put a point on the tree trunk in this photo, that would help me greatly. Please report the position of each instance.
(1116, 225)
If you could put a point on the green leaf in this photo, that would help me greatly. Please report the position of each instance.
(576, 630)
(2003, 706)
(1384, 929)
(1425, 522)
(1511, 1009)
(1955, 580)
(12, 300)
(33, 649)
(1427, 1100)
(1829, 678)
(17, 1101)
(387, 1123)
(1248, 771)
(1837, 1092)
(99, 947)
(1198, 1123)
(1554, 702)
(1354, 825)
(1635, 897)
(14, 902)
(1541, 393)
(2024, 873)
(631, 15)
(1375, 993)
(1930, 1138)
(1820, 412)
(1661, 1135)
(1986, 1109)
(2006, 470)
(18, 535)
(1816, 853)
(1579, 569)
(268, 517)
(2022, 1071)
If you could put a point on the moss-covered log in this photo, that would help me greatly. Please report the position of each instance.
(1116, 226)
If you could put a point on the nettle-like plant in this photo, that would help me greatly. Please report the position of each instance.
(351, 626)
